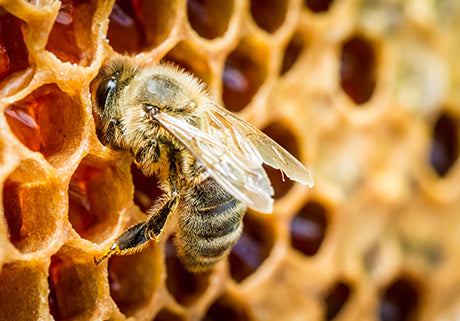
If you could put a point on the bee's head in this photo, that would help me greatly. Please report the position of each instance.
(106, 90)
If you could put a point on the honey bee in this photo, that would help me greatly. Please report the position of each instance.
(208, 161)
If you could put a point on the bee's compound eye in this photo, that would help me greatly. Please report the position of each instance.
(104, 89)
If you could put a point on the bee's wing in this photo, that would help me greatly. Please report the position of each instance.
(254, 143)
(242, 176)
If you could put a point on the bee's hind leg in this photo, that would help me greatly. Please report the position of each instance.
(135, 238)
(130, 241)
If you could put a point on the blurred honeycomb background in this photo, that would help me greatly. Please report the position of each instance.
(366, 92)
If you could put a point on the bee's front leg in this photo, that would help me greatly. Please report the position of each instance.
(112, 133)
(150, 150)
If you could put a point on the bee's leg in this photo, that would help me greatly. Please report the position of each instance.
(135, 238)
(150, 150)
(113, 130)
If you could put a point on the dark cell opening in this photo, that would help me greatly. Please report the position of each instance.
(126, 33)
(133, 279)
(399, 301)
(318, 5)
(252, 248)
(146, 190)
(358, 69)
(244, 73)
(20, 292)
(308, 228)
(136, 25)
(73, 290)
(209, 18)
(96, 195)
(187, 58)
(72, 20)
(185, 286)
(227, 308)
(13, 51)
(269, 14)
(335, 299)
(167, 315)
(283, 136)
(292, 52)
(30, 227)
(444, 146)
(41, 122)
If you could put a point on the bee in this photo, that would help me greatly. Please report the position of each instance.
(208, 161)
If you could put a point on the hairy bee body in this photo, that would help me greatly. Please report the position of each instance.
(210, 222)
(208, 161)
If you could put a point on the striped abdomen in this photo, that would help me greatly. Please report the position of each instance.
(210, 223)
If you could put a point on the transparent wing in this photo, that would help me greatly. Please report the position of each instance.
(242, 176)
(256, 145)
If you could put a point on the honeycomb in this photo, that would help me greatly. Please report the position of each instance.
(366, 92)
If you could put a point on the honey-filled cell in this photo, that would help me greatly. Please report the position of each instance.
(97, 193)
(358, 69)
(400, 301)
(31, 206)
(209, 18)
(308, 228)
(14, 55)
(269, 15)
(69, 37)
(47, 121)
(244, 72)
(137, 25)
(444, 145)
(253, 247)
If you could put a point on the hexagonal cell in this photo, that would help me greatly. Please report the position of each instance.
(69, 37)
(336, 298)
(22, 288)
(146, 190)
(444, 145)
(308, 228)
(185, 286)
(31, 203)
(252, 248)
(13, 51)
(47, 121)
(133, 279)
(136, 25)
(192, 61)
(126, 33)
(319, 5)
(269, 14)
(358, 69)
(283, 136)
(73, 286)
(244, 72)
(168, 315)
(97, 192)
(228, 308)
(209, 18)
(292, 52)
(400, 301)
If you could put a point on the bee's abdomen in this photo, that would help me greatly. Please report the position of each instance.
(210, 223)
